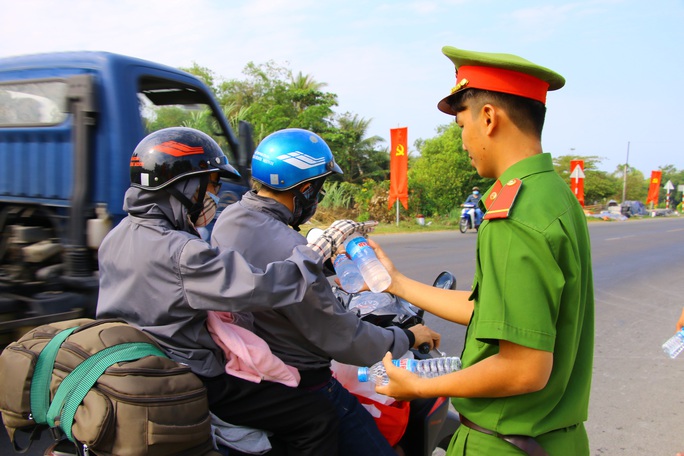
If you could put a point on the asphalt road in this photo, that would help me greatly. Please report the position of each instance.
(637, 403)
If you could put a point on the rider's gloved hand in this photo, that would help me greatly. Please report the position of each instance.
(333, 237)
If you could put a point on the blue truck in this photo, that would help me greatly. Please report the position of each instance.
(68, 125)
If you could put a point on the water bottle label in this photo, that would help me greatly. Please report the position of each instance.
(405, 363)
(338, 260)
(355, 247)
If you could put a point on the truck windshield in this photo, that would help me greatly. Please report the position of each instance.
(168, 104)
(33, 103)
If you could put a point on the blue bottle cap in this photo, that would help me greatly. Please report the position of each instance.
(362, 374)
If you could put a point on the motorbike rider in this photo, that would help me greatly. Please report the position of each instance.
(158, 275)
(289, 168)
(474, 198)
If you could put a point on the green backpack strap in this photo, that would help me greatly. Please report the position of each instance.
(42, 374)
(76, 385)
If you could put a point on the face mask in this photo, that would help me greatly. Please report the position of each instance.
(208, 211)
(476, 193)
(306, 203)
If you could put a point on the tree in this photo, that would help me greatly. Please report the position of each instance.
(271, 98)
(599, 186)
(442, 176)
(359, 157)
(670, 173)
(635, 188)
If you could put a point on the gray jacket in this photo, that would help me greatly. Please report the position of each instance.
(158, 275)
(308, 334)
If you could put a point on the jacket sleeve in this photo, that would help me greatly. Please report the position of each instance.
(213, 280)
(341, 334)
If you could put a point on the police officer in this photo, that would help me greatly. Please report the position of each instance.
(528, 354)
(158, 275)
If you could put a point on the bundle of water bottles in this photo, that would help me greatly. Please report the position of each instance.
(675, 344)
(426, 368)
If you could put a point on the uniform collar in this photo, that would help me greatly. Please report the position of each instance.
(539, 163)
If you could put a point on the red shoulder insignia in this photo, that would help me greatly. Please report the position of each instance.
(501, 198)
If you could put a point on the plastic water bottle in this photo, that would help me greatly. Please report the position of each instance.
(350, 277)
(372, 270)
(674, 345)
(426, 368)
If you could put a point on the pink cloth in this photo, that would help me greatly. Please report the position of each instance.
(248, 355)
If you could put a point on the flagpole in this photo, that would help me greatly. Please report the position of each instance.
(397, 204)
(624, 176)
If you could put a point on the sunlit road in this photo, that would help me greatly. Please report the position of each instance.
(637, 404)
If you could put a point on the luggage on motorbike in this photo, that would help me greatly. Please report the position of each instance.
(104, 385)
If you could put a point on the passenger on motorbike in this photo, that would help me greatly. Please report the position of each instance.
(157, 274)
(474, 199)
(289, 168)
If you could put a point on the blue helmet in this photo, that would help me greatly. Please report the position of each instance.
(289, 157)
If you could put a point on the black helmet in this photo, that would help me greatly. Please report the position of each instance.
(167, 155)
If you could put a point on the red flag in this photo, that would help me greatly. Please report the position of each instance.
(398, 166)
(577, 179)
(654, 188)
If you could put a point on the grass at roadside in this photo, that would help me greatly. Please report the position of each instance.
(403, 227)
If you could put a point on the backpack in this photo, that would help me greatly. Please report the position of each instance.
(107, 387)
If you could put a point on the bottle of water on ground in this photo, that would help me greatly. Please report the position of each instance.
(350, 277)
(426, 368)
(675, 345)
(372, 270)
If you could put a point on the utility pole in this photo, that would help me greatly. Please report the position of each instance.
(624, 176)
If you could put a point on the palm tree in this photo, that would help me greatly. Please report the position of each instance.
(359, 156)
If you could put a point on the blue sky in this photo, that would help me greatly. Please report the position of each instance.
(622, 59)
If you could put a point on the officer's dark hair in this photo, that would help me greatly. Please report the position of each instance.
(527, 114)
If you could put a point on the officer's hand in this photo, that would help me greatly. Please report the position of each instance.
(402, 383)
(680, 323)
(333, 237)
(425, 335)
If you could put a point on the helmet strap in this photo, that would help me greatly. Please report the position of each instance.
(305, 202)
(194, 208)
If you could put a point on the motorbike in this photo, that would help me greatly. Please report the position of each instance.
(468, 218)
(384, 309)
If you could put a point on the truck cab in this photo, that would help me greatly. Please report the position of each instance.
(68, 125)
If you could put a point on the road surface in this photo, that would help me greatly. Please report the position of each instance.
(637, 402)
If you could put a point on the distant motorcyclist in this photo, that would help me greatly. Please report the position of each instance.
(474, 198)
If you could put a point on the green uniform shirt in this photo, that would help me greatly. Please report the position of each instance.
(533, 286)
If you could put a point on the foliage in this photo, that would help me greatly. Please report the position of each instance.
(338, 195)
(672, 174)
(635, 187)
(271, 98)
(359, 156)
(442, 177)
(599, 186)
